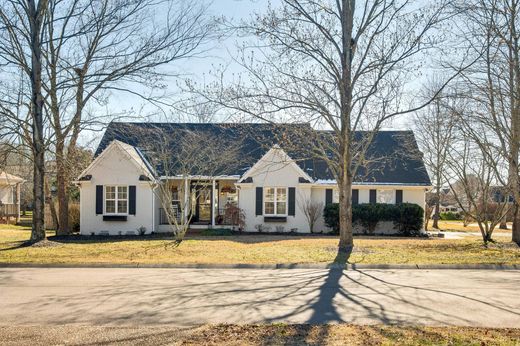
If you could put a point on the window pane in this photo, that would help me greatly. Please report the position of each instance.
(121, 192)
(269, 208)
(121, 206)
(281, 208)
(175, 195)
(281, 195)
(385, 196)
(110, 207)
(269, 194)
(110, 192)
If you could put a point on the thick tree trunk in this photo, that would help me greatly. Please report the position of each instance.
(516, 224)
(346, 240)
(514, 180)
(514, 173)
(38, 226)
(437, 212)
(50, 203)
(62, 187)
(503, 223)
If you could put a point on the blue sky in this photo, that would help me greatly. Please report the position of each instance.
(193, 69)
(197, 68)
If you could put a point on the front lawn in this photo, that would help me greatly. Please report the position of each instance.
(458, 226)
(277, 334)
(253, 249)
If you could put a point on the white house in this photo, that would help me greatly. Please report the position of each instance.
(10, 197)
(268, 184)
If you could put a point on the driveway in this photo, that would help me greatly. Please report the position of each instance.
(185, 297)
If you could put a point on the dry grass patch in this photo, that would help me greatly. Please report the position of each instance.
(341, 334)
(458, 226)
(254, 249)
(278, 334)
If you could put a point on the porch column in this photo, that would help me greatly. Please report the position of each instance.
(213, 194)
(18, 202)
(186, 200)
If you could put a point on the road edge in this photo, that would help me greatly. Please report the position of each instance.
(268, 266)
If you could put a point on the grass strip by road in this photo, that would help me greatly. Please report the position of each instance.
(277, 334)
(252, 249)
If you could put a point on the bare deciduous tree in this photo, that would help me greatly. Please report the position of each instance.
(491, 30)
(187, 163)
(434, 132)
(94, 48)
(342, 65)
(21, 32)
(473, 180)
(311, 209)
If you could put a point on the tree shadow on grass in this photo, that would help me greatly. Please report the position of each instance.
(17, 245)
(245, 238)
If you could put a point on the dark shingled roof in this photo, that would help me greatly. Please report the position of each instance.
(392, 158)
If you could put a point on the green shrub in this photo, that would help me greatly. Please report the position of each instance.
(216, 232)
(369, 215)
(331, 217)
(407, 217)
(450, 216)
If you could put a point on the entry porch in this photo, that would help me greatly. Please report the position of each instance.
(10, 186)
(205, 202)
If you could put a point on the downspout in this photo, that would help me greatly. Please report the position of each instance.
(153, 207)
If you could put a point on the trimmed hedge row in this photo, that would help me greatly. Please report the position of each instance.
(407, 217)
(450, 216)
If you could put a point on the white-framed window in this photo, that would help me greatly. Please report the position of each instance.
(275, 201)
(116, 199)
(386, 196)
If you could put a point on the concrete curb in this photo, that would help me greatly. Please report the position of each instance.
(270, 266)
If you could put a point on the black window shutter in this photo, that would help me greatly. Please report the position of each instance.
(99, 199)
(292, 201)
(355, 197)
(398, 196)
(373, 196)
(131, 200)
(328, 196)
(259, 200)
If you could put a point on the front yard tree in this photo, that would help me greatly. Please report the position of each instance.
(95, 48)
(21, 32)
(473, 180)
(312, 211)
(343, 65)
(434, 131)
(491, 29)
(181, 156)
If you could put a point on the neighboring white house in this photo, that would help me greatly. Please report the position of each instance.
(9, 197)
(269, 185)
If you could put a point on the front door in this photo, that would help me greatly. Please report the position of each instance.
(201, 197)
(204, 205)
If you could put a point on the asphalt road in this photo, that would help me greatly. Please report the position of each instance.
(185, 297)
